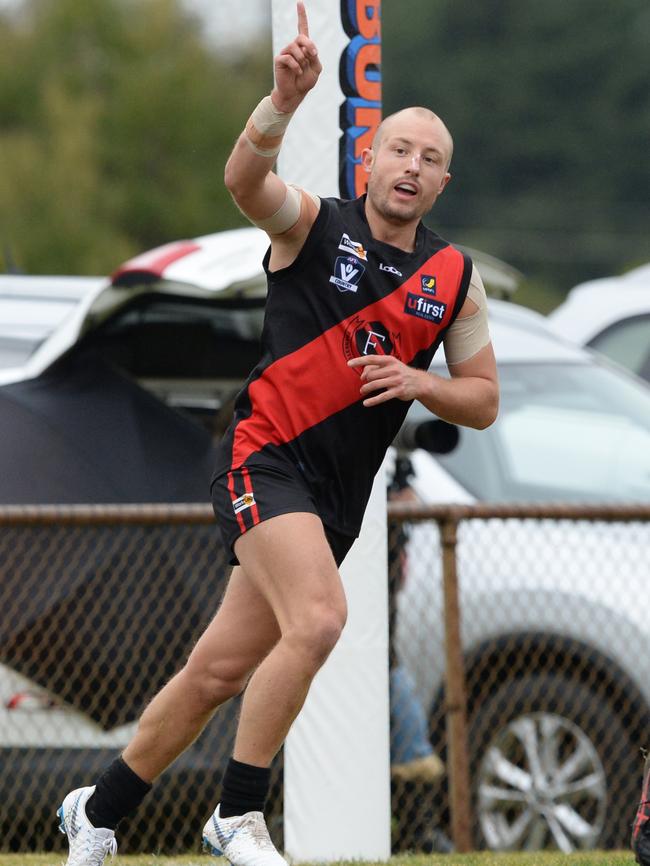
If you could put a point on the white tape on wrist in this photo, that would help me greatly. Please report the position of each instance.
(266, 127)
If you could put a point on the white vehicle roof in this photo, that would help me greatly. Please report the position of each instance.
(521, 335)
(595, 305)
(226, 264)
(31, 307)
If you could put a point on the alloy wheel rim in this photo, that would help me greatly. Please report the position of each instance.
(541, 784)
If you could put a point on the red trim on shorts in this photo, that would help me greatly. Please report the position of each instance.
(248, 486)
(233, 496)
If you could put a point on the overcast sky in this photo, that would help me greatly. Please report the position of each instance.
(233, 22)
(228, 22)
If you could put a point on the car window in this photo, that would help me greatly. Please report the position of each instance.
(191, 353)
(628, 343)
(565, 432)
(14, 352)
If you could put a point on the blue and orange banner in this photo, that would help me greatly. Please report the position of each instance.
(360, 82)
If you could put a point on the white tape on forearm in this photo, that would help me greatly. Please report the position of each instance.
(266, 127)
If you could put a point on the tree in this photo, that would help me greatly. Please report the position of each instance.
(117, 120)
(550, 111)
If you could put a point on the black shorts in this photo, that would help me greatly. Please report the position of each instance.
(244, 497)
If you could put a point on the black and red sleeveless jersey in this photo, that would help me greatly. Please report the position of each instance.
(345, 295)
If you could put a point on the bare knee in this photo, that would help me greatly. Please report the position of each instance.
(317, 633)
(211, 683)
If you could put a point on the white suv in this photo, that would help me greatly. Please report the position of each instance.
(611, 315)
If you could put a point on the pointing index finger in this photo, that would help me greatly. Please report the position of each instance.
(303, 26)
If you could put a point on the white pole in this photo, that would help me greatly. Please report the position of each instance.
(336, 757)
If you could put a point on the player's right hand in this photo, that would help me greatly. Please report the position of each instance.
(297, 67)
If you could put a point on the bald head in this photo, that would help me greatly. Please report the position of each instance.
(391, 125)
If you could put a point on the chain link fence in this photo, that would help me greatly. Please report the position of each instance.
(101, 606)
(520, 670)
(536, 690)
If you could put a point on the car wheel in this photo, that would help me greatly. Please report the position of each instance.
(551, 767)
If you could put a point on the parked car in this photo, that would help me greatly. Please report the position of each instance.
(611, 315)
(556, 632)
(125, 397)
(32, 308)
(116, 401)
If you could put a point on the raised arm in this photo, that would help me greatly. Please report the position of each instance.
(285, 213)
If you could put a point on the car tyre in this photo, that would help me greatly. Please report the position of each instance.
(552, 766)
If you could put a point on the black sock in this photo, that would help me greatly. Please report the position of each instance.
(244, 789)
(118, 791)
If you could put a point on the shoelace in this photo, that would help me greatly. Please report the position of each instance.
(261, 834)
(94, 851)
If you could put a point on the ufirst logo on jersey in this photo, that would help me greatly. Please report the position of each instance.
(423, 308)
(347, 273)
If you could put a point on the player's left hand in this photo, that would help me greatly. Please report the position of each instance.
(390, 376)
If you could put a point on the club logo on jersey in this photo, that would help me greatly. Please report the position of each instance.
(368, 338)
(354, 247)
(421, 307)
(245, 501)
(390, 269)
(428, 284)
(347, 273)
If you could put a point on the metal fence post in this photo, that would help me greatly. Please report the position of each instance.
(456, 696)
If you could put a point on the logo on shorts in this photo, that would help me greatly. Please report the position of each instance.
(420, 307)
(354, 247)
(245, 501)
(428, 284)
(347, 273)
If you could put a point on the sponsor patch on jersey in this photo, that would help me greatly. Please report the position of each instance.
(428, 284)
(347, 273)
(423, 308)
(245, 501)
(390, 269)
(349, 246)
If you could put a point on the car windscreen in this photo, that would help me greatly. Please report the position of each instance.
(565, 432)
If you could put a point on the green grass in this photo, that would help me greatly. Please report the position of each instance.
(596, 858)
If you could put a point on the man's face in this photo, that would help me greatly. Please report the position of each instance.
(408, 167)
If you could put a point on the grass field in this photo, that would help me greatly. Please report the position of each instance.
(603, 858)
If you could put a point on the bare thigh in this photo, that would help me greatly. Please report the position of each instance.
(242, 633)
(289, 561)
